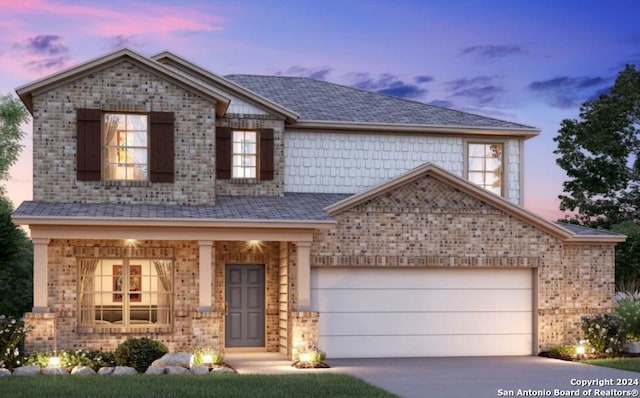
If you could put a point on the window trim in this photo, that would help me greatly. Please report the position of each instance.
(505, 161)
(265, 155)
(256, 156)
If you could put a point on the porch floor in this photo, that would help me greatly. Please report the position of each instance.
(261, 363)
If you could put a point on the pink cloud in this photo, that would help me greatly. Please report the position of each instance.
(137, 18)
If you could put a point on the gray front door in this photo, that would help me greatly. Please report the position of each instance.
(244, 293)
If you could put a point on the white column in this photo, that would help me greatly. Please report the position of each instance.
(40, 276)
(206, 276)
(303, 251)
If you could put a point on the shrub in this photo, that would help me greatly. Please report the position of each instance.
(40, 358)
(605, 333)
(313, 356)
(565, 351)
(629, 310)
(12, 335)
(199, 355)
(139, 353)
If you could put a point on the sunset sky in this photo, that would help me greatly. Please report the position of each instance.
(531, 62)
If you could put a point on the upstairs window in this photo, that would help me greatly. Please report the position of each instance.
(485, 166)
(245, 154)
(126, 147)
(115, 146)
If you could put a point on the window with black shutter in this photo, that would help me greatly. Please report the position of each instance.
(244, 154)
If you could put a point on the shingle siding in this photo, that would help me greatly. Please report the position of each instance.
(348, 163)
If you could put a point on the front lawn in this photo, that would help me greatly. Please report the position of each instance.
(632, 364)
(168, 386)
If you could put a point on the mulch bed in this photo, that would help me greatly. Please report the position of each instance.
(309, 365)
(555, 355)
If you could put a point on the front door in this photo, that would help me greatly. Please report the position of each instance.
(244, 294)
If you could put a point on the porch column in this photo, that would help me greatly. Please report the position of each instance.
(40, 277)
(304, 275)
(206, 276)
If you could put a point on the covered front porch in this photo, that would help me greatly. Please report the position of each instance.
(233, 286)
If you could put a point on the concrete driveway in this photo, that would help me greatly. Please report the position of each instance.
(489, 377)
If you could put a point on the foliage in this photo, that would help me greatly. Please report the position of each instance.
(628, 255)
(604, 333)
(16, 265)
(600, 154)
(139, 353)
(94, 359)
(629, 310)
(187, 386)
(315, 356)
(568, 350)
(199, 354)
(12, 335)
(12, 115)
(632, 364)
(40, 358)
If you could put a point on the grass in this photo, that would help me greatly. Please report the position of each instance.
(177, 386)
(632, 364)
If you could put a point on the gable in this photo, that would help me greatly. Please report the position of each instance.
(87, 69)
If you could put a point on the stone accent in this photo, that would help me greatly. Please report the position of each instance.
(82, 370)
(32, 370)
(427, 223)
(256, 187)
(304, 333)
(124, 370)
(4, 372)
(123, 87)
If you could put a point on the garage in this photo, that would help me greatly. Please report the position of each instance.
(412, 312)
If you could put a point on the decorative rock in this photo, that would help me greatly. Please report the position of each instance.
(4, 372)
(82, 370)
(177, 370)
(57, 371)
(152, 370)
(124, 370)
(222, 370)
(182, 359)
(632, 347)
(32, 370)
(106, 371)
(199, 370)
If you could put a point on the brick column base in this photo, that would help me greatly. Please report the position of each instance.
(304, 333)
(206, 329)
(41, 331)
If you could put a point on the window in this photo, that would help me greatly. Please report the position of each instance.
(245, 154)
(126, 147)
(485, 166)
(125, 292)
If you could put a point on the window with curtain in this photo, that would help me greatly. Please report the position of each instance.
(245, 154)
(126, 146)
(125, 292)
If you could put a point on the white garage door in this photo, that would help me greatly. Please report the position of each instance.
(423, 312)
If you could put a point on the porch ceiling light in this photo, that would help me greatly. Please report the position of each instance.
(130, 242)
(254, 245)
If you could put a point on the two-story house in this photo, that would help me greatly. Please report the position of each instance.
(283, 213)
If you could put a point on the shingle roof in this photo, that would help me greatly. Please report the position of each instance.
(324, 101)
(580, 230)
(291, 206)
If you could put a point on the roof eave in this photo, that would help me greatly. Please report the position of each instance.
(288, 114)
(170, 222)
(25, 92)
(526, 133)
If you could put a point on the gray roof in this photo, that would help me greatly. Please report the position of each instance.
(291, 206)
(580, 230)
(320, 100)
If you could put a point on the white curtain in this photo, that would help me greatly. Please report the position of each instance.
(163, 269)
(87, 291)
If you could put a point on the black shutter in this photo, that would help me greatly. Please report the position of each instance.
(161, 151)
(266, 154)
(223, 153)
(88, 144)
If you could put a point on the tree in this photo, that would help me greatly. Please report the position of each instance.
(12, 115)
(16, 251)
(600, 153)
(16, 265)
